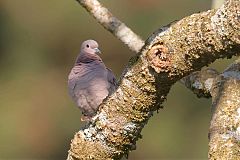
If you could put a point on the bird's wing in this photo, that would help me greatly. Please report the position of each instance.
(112, 81)
(78, 79)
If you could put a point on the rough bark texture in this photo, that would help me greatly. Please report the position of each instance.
(224, 133)
(112, 24)
(168, 55)
(201, 82)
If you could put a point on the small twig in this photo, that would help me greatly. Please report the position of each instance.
(217, 3)
(112, 24)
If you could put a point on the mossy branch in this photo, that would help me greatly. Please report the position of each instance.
(224, 133)
(168, 55)
(224, 88)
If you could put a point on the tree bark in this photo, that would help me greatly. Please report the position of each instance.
(224, 133)
(171, 53)
(201, 82)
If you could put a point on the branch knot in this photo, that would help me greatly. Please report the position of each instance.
(159, 57)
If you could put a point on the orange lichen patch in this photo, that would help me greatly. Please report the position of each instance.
(159, 57)
(86, 149)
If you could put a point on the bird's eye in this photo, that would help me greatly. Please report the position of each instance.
(87, 46)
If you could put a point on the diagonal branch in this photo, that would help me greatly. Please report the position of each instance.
(168, 55)
(112, 24)
(217, 3)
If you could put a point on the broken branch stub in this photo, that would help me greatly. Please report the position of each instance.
(195, 41)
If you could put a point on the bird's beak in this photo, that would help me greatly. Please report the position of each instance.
(97, 50)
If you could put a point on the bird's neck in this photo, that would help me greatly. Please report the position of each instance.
(87, 58)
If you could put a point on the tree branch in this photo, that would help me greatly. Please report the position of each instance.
(201, 82)
(217, 3)
(112, 24)
(224, 133)
(168, 55)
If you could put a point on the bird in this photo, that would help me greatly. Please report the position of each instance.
(90, 81)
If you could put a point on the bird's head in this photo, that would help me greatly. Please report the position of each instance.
(90, 46)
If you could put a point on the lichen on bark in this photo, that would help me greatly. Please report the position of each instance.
(201, 82)
(169, 54)
(224, 88)
(224, 132)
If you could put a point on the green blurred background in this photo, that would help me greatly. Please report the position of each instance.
(39, 41)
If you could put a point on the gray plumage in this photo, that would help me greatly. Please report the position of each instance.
(90, 81)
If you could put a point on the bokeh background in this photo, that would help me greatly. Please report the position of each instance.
(39, 41)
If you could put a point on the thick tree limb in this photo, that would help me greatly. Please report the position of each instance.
(224, 133)
(168, 55)
(112, 24)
